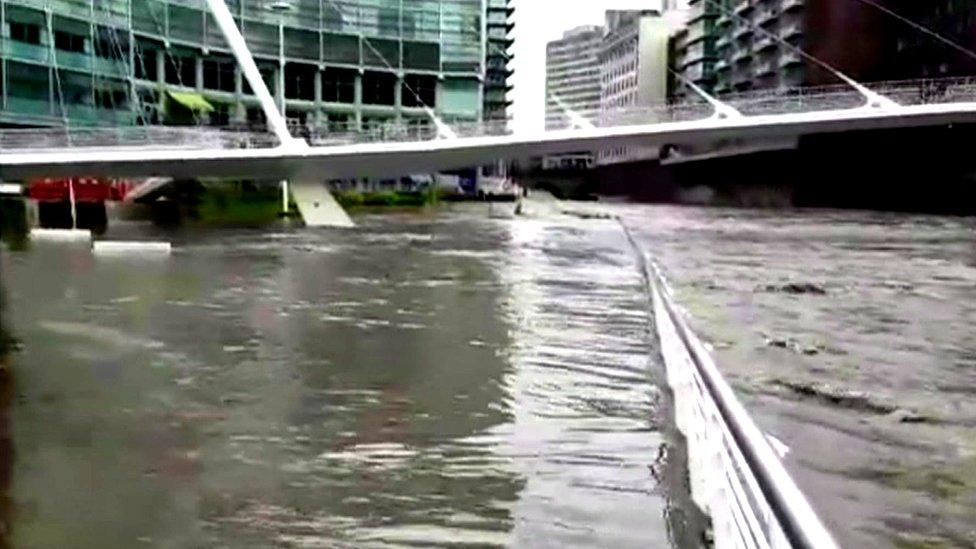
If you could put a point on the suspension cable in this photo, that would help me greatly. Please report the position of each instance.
(56, 69)
(443, 129)
(171, 59)
(130, 89)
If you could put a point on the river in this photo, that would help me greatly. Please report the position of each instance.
(448, 378)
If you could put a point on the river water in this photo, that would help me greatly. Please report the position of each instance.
(452, 379)
(432, 379)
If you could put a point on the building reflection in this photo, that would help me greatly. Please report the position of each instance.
(6, 436)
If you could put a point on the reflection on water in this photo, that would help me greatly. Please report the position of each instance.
(419, 381)
(6, 440)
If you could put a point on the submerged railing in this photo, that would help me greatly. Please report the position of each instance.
(736, 478)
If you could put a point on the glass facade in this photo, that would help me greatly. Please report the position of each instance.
(84, 62)
(498, 27)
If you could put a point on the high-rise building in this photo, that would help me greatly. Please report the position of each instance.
(497, 71)
(346, 64)
(693, 49)
(573, 75)
(572, 86)
(910, 53)
(738, 45)
(633, 73)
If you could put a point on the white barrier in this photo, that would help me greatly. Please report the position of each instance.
(61, 235)
(110, 247)
(736, 477)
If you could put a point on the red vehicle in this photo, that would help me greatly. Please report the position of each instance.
(86, 189)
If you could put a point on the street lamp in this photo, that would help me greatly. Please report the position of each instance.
(281, 7)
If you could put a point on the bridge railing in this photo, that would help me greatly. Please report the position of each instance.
(778, 101)
(842, 96)
(758, 102)
(157, 137)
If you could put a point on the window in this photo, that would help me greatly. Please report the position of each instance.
(255, 116)
(419, 90)
(300, 81)
(69, 42)
(181, 71)
(145, 64)
(220, 116)
(148, 107)
(268, 75)
(111, 99)
(379, 88)
(339, 122)
(218, 74)
(111, 43)
(339, 85)
(25, 32)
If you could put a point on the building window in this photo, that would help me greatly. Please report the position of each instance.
(69, 42)
(181, 71)
(339, 122)
(339, 85)
(110, 43)
(111, 99)
(218, 74)
(300, 81)
(255, 116)
(148, 107)
(145, 64)
(220, 116)
(379, 88)
(25, 32)
(419, 90)
(268, 75)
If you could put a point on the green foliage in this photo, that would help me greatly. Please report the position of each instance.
(398, 199)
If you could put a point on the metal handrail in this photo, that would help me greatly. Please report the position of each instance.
(799, 522)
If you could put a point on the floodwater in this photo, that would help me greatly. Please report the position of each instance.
(851, 337)
(439, 379)
(453, 379)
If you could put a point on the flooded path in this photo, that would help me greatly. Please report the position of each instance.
(422, 381)
(452, 379)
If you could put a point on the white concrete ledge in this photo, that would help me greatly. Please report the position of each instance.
(133, 248)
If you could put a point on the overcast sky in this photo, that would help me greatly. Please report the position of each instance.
(536, 23)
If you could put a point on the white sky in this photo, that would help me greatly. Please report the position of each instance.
(538, 22)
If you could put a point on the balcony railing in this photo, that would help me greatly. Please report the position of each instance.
(791, 30)
(788, 5)
(766, 68)
(767, 16)
(741, 57)
(743, 30)
(764, 43)
(744, 7)
(790, 59)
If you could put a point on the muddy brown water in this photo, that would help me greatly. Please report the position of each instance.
(442, 379)
(453, 379)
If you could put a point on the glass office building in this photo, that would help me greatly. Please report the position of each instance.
(346, 64)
